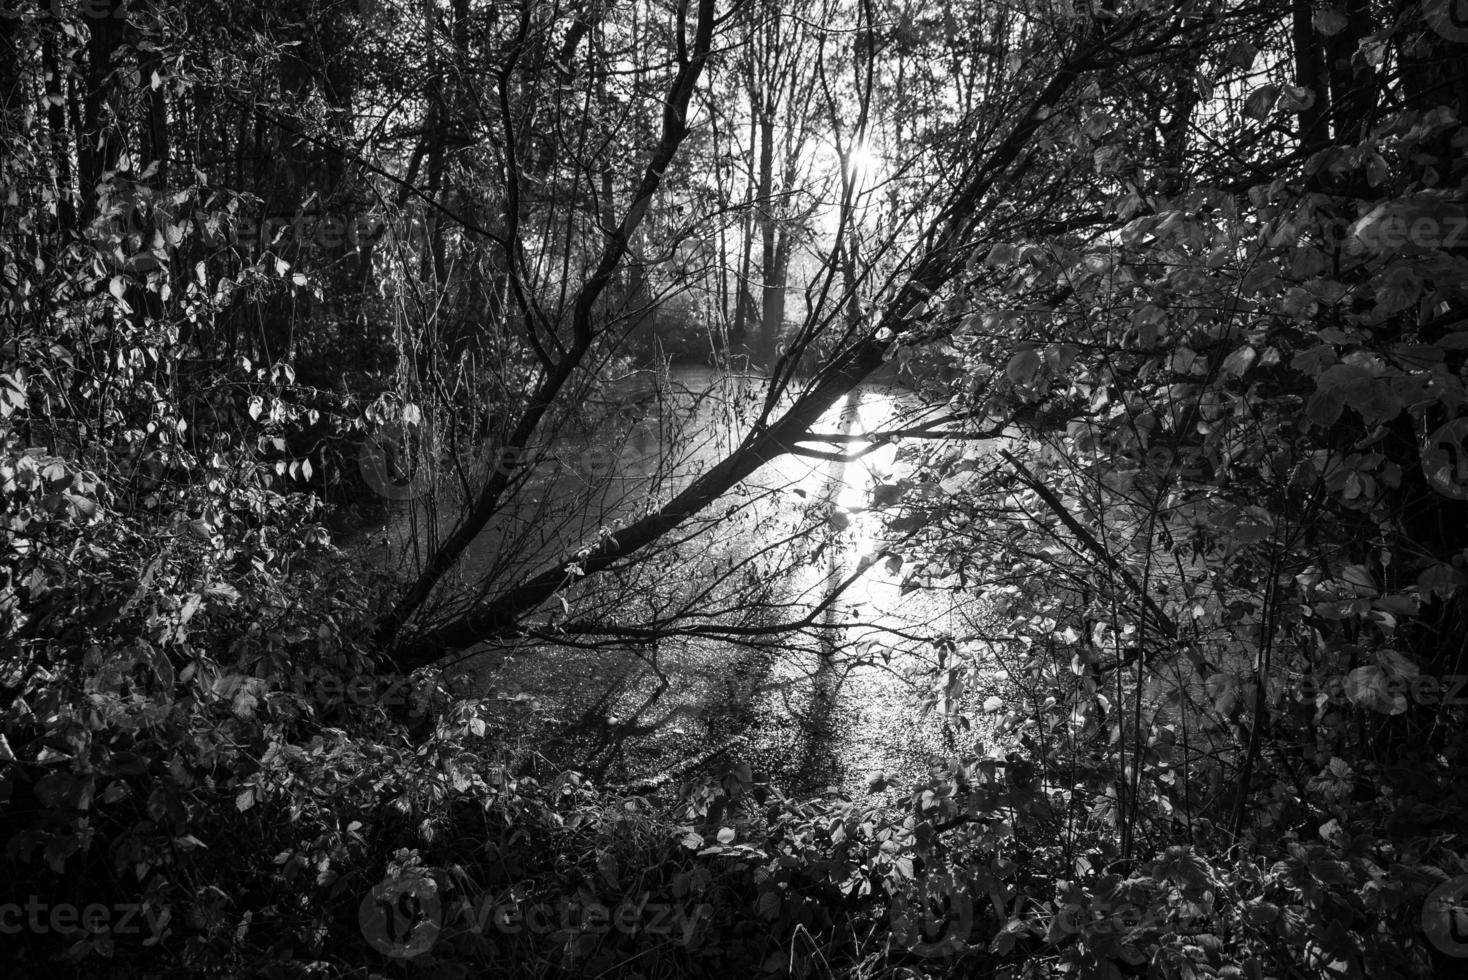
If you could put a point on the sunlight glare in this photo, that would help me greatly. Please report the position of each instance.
(861, 160)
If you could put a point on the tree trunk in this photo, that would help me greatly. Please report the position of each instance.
(1310, 72)
(56, 126)
(155, 131)
(674, 131)
(438, 113)
(772, 306)
(11, 96)
(739, 333)
(97, 143)
(769, 327)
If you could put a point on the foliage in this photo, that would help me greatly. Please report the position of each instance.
(1196, 281)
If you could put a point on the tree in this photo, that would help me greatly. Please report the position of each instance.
(957, 232)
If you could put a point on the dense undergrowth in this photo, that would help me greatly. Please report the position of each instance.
(184, 750)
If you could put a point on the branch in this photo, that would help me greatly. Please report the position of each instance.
(836, 457)
(1057, 507)
(675, 129)
(939, 264)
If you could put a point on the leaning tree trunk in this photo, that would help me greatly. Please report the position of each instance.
(559, 373)
(945, 256)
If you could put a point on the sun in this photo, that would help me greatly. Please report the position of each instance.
(861, 160)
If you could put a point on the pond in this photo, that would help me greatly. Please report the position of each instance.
(833, 704)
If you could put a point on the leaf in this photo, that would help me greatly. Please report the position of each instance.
(1150, 321)
(1397, 605)
(1237, 363)
(221, 590)
(1241, 55)
(1395, 664)
(190, 606)
(1369, 687)
(726, 835)
(1298, 301)
(1440, 581)
(82, 505)
(607, 866)
(53, 789)
(1224, 689)
(1296, 98)
(1445, 459)
(1023, 366)
(1325, 406)
(1261, 914)
(1359, 578)
(1375, 400)
(886, 494)
(1001, 254)
(1261, 102)
(1326, 291)
(1329, 21)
